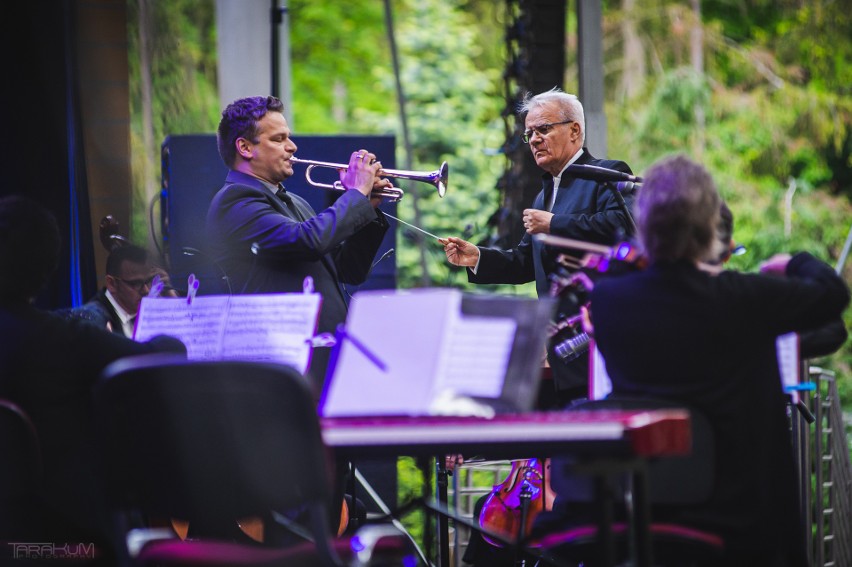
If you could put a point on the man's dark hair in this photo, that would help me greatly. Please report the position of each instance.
(126, 253)
(29, 248)
(239, 120)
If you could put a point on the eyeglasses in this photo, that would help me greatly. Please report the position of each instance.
(542, 130)
(136, 284)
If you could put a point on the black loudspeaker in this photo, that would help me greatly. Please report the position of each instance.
(192, 173)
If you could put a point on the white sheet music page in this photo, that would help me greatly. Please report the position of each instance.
(263, 327)
(426, 349)
(787, 349)
(403, 331)
(199, 326)
(271, 328)
(474, 355)
(599, 383)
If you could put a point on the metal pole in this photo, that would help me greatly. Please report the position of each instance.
(282, 82)
(845, 253)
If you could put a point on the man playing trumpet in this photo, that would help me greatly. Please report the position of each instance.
(269, 240)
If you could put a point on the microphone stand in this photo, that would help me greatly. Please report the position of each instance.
(613, 186)
(189, 251)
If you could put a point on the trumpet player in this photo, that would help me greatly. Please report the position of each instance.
(268, 240)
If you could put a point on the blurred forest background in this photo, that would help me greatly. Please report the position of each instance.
(759, 90)
(763, 98)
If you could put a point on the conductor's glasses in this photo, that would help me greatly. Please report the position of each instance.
(542, 130)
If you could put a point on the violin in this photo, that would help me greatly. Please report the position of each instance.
(512, 506)
(597, 257)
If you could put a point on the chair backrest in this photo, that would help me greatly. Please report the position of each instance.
(21, 506)
(197, 440)
(21, 466)
(673, 481)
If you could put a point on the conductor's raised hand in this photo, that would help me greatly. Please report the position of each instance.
(460, 252)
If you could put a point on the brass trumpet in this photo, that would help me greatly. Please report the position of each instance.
(438, 178)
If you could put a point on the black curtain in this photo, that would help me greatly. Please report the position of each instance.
(42, 135)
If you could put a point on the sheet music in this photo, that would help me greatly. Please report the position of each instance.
(401, 329)
(475, 355)
(200, 329)
(263, 327)
(429, 351)
(275, 329)
(599, 383)
(787, 351)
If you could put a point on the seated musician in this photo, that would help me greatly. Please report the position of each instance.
(48, 366)
(677, 332)
(129, 277)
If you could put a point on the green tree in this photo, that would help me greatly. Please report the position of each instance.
(453, 113)
(182, 81)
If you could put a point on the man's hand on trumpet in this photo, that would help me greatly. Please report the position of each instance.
(460, 252)
(363, 174)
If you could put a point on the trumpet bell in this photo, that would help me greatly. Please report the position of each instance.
(442, 178)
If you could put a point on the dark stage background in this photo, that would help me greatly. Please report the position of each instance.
(42, 134)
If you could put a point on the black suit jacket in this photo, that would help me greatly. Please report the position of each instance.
(675, 332)
(335, 246)
(97, 311)
(584, 210)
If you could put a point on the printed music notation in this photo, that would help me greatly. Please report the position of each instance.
(265, 327)
(432, 355)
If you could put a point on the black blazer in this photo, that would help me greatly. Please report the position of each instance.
(675, 332)
(336, 245)
(97, 311)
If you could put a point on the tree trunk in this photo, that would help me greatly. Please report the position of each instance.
(633, 73)
(696, 56)
(151, 155)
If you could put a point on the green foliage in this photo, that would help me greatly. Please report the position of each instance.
(410, 482)
(452, 114)
(771, 130)
(667, 120)
(775, 96)
(336, 48)
(184, 97)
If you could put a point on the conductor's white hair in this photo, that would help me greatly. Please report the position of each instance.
(568, 105)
